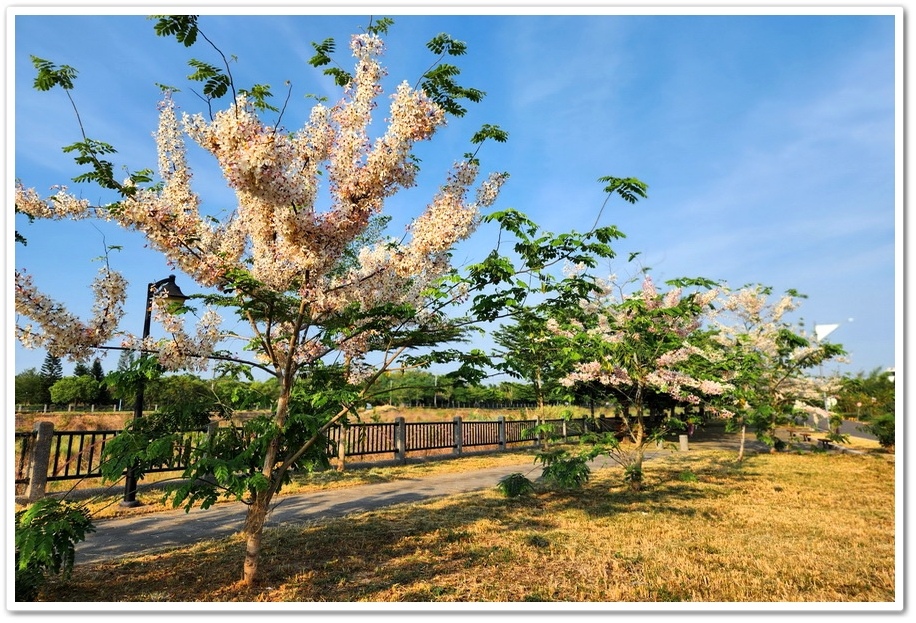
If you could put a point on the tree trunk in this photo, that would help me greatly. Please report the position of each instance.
(260, 504)
(254, 531)
(636, 466)
(635, 479)
(538, 392)
(741, 445)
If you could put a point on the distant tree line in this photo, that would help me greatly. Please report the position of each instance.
(864, 397)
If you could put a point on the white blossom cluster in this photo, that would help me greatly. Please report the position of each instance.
(60, 332)
(277, 233)
(747, 322)
(59, 205)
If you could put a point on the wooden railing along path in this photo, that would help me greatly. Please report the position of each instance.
(45, 455)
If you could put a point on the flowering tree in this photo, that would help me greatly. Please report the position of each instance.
(766, 360)
(292, 270)
(642, 345)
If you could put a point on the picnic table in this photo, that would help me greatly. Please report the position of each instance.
(795, 433)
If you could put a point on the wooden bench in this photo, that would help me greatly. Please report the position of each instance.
(825, 443)
(805, 436)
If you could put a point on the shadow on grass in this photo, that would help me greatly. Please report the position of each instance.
(412, 552)
(450, 549)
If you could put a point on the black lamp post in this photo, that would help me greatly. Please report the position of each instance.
(173, 294)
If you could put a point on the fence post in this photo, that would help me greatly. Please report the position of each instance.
(342, 448)
(400, 439)
(212, 429)
(41, 455)
(459, 434)
(501, 432)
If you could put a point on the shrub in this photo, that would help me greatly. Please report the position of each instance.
(564, 470)
(515, 485)
(884, 428)
(46, 536)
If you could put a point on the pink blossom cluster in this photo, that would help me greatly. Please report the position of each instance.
(631, 357)
(678, 385)
(603, 373)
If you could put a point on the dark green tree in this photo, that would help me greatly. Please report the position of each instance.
(245, 395)
(81, 369)
(184, 400)
(98, 373)
(865, 396)
(884, 427)
(96, 370)
(52, 370)
(29, 388)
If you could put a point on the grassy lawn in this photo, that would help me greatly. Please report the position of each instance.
(784, 527)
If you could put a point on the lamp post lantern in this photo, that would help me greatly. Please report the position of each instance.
(173, 294)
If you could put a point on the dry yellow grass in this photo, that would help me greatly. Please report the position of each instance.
(786, 527)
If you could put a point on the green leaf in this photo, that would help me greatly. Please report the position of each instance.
(258, 94)
(216, 83)
(629, 189)
(488, 131)
(440, 86)
(445, 44)
(183, 27)
(323, 51)
(515, 485)
(47, 533)
(380, 26)
(341, 77)
(49, 75)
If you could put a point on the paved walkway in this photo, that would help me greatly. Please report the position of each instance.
(151, 532)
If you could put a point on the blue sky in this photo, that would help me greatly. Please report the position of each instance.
(768, 141)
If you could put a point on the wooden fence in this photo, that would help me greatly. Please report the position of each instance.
(45, 455)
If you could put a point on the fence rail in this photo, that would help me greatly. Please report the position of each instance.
(46, 455)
